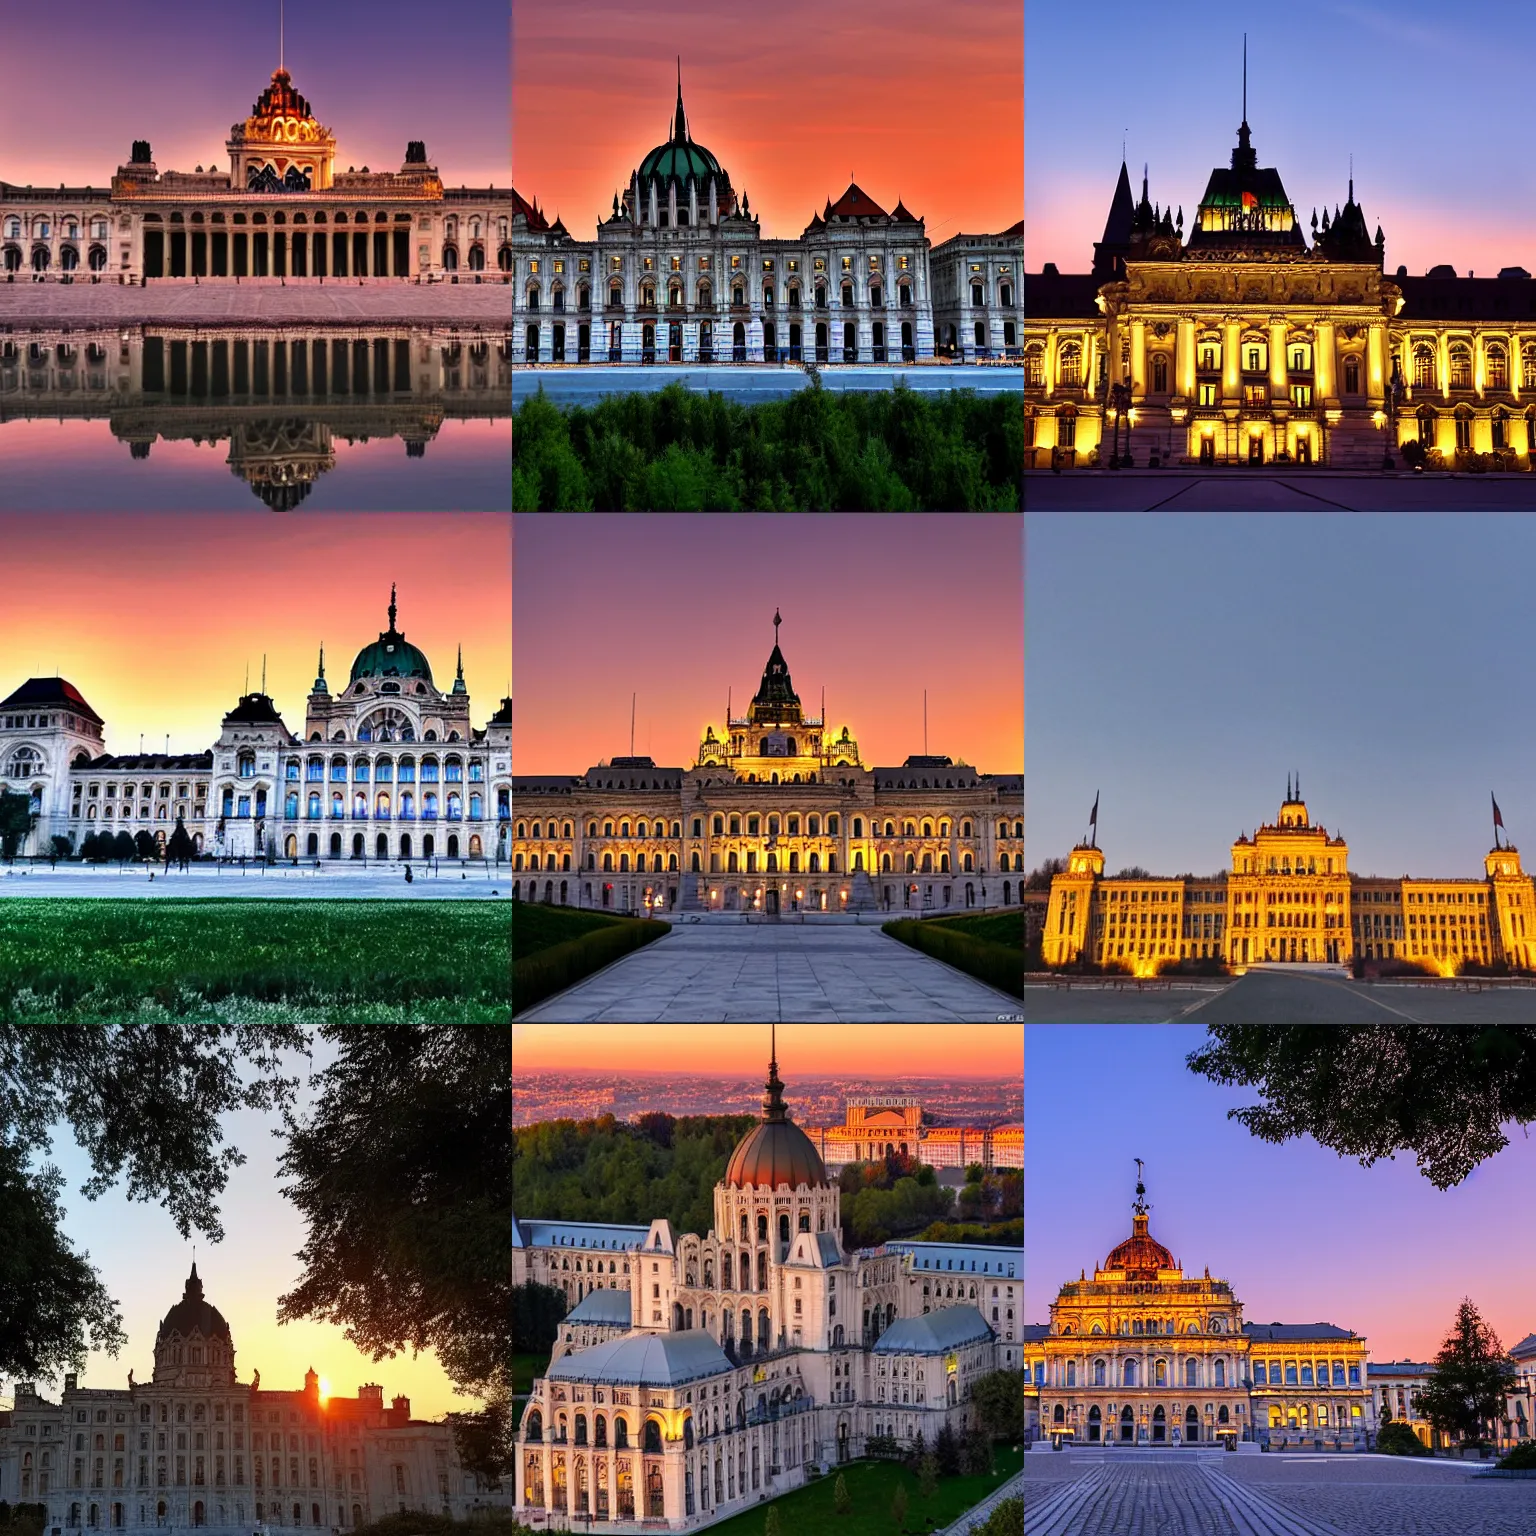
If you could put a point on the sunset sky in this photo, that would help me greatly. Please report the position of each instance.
(178, 72)
(143, 1262)
(1326, 79)
(805, 1050)
(155, 618)
(678, 608)
(916, 102)
(1302, 1235)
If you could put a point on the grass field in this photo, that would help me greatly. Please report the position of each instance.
(809, 1511)
(995, 927)
(216, 961)
(536, 927)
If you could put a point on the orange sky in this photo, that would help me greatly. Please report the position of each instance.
(678, 608)
(155, 617)
(913, 100)
(949, 1050)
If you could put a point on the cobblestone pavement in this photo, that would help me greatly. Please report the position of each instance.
(795, 973)
(1178, 490)
(1114, 1005)
(1270, 1496)
(337, 303)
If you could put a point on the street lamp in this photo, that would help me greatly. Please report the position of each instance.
(1395, 393)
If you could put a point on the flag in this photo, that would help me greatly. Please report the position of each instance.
(1498, 820)
(1093, 819)
(1250, 200)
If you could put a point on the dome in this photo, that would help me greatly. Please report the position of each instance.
(680, 161)
(1140, 1255)
(194, 1315)
(777, 1151)
(391, 655)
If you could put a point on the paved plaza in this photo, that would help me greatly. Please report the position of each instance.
(1276, 997)
(1177, 490)
(277, 881)
(264, 302)
(1190, 1493)
(790, 972)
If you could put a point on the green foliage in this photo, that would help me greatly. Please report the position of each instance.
(841, 1500)
(946, 1451)
(22, 1519)
(1006, 1520)
(490, 1522)
(976, 1454)
(15, 821)
(122, 847)
(818, 450)
(899, 1507)
(561, 965)
(889, 1198)
(928, 1476)
(536, 926)
(1471, 1376)
(58, 846)
(993, 1197)
(604, 1170)
(1397, 1439)
(994, 964)
(211, 959)
(536, 1314)
(1444, 1093)
(999, 1400)
(771, 1526)
(1005, 1234)
(1006, 928)
(180, 848)
(1519, 1458)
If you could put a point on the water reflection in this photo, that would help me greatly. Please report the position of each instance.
(279, 400)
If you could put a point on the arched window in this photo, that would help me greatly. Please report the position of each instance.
(1129, 1374)
(1498, 366)
(1069, 364)
(1423, 366)
(652, 1437)
(1461, 366)
(1190, 1368)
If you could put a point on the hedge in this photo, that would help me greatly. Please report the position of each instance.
(562, 965)
(995, 964)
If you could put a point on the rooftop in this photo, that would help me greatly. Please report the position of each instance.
(934, 1332)
(607, 1307)
(646, 1360)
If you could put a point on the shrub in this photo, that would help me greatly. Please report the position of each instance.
(1006, 1520)
(551, 970)
(1520, 1458)
(1395, 1439)
(995, 964)
(899, 1507)
(1206, 965)
(842, 1500)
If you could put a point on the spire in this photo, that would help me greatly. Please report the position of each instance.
(320, 683)
(392, 609)
(458, 681)
(194, 1290)
(1244, 158)
(1139, 1208)
(776, 622)
(773, 1100)
(1287, 789)
(680, 127)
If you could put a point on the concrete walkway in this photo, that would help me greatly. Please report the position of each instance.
(712, 974)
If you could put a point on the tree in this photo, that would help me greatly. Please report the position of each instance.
(143, 846)
(1006, 1520)
(180, 849)
(1368, 1091)
(999, 1400)
(58, 846)
(1395, 1439)
(842, 1501)
(122, 847)
(1133, 872)
(143, 1101)
(1039, 878)
(16, 820)
(1471, 1377)
(402, 1172)
(976, 1456)
(899, 1507)
(928, 1475)
(536, 1313)
(946, 1451)
(771, 1525)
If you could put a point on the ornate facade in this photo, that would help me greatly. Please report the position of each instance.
(1290, 896)
(1241, 341)
(281, 210)
(681, 272)
(737, 1359)
(196, 1448)
(1143, 1354)
(874, 1127)
(388, 767)
(777, 814)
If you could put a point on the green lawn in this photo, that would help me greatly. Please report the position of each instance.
(536, 927)
(809, 1511)
(525, 1368)
(995, 927)
(218, 960)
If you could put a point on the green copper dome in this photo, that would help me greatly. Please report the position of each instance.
(391, 655)
(681, 158)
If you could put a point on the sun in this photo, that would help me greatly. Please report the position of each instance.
(325, 1389)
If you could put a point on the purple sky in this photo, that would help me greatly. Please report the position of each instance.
(1302, 1235)
(1430, 99)
(84, 80)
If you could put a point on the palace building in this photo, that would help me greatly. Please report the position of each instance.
(894, 1123)
(197, 1448)
(696, 1376)
(776, 814)
(388, 767)
(1242, 339)
(682, 272)
(1145, 1354)
(281, 210)
(1290, 896)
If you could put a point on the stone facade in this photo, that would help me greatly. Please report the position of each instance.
(389, 767)
(777, 814)
(978, 294)
(281, 210)
(1290, 896)
(196, 1448)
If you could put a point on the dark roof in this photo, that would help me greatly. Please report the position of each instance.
(1296, 1331)
(154, 762)
(1245, 185)
(503, 716)
(41, 691)
(194, 1315)
(934, 1333)
(1035, 1332)
(1116, 238)
(1475, 298)
(1016, 232)
(254, 709)
(856, 203)
(530, 211)
(1061, 296)
(775, 698)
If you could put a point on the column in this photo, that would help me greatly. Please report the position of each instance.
(1443, 355)
(1278, 373)
(1050, 362)
(1138, 359)
(1231, 385)
(1376, 365)
(1323, 361)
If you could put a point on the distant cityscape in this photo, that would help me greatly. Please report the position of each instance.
(815, 1101)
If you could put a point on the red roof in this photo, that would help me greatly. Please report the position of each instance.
(50, 690)
(856, 203)
(536, 220)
